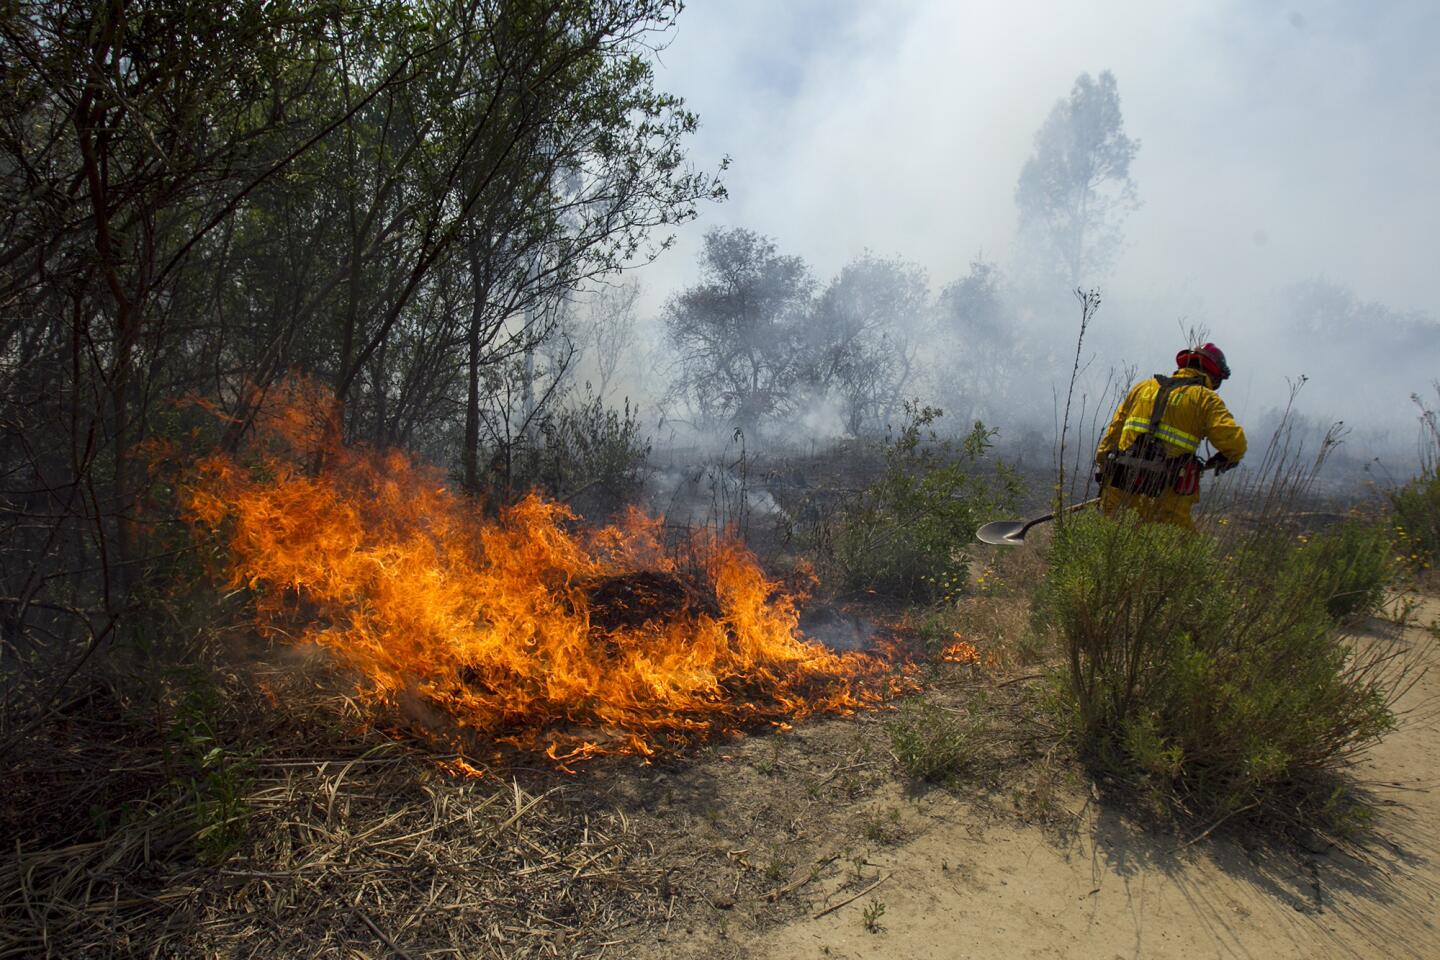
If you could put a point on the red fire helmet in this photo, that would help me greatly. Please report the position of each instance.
(1209, 358)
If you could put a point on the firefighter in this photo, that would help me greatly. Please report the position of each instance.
(1146, 462)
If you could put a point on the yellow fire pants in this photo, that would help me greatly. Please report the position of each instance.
(1169, 508)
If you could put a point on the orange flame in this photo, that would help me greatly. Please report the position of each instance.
(961, 651)
(492, 619)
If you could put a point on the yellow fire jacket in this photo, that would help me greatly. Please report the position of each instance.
(1194, 414)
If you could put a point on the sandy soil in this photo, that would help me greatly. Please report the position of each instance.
(964, 882)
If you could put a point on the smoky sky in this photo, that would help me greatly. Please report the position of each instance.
(1279, 142)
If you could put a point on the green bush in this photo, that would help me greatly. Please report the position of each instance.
(932, 743)
(1416, 509)
(905, 533)
(1416, 505)
(1219, 681)
(588, 447)
(1349, 565)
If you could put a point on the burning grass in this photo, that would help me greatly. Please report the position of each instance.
(521, 628)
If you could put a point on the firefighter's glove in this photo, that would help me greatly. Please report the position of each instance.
(1221, 463)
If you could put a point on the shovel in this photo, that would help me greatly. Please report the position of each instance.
(1011, 533)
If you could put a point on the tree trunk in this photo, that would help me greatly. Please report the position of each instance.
(470, 455)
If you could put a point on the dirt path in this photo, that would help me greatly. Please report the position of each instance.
(969, 886)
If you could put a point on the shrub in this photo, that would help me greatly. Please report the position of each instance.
(1417, 504)
(930, 742)
(589, 447)
(904, 534)
(1217, 680)
(1416, 509)
(1348, 565)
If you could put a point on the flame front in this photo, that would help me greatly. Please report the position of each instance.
(493, 619)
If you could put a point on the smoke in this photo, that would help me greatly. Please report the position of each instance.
(1280, 145)
(820, 418)
(838, 630)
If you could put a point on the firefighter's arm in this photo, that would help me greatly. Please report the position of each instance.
(1224, 434)
(1110, 440)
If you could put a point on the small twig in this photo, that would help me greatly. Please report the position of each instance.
(1028, 676)
(833, 908)
(801, 880)
(385, 939)
(846, 768)
(1208, 830)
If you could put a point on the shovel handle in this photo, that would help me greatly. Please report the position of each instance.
(1082, 505)
(1019, 535)
(1050, 516)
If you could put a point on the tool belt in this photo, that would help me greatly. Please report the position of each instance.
(1145, 468)
(1146, 472)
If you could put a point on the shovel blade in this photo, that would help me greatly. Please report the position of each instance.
(1007, 533)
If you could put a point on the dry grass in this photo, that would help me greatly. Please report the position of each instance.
(999, 627)
(373, 851)
(365, 848)
(993, 614)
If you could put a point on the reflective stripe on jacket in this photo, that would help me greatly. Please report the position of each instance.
(1193, 414)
